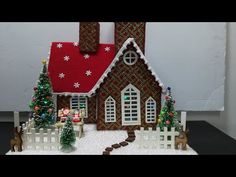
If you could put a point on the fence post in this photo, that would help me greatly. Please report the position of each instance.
(41, 138)
(32, 137)
(158, 134)
(150, 141)
(57, 141)
(141, 137)
(183, 120)
(172, 138)
(165, 137)
(16, 119)
(49, 139)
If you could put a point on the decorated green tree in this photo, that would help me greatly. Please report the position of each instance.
(168, 115)
(67, 138)
(42, 106)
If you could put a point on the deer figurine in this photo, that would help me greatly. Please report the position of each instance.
(17, 141)
(182, 139)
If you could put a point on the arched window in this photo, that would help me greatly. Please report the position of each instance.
(130, 57)
(150, 110)
(130, 100)
(110, 110)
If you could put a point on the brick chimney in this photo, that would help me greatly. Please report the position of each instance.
(125, 30)
(89, 37)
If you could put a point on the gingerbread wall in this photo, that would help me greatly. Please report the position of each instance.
(119, 77)
(91, 110)
(63, 101)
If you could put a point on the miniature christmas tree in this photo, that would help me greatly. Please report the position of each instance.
(42, 105)
(168, 115)
(67, 138)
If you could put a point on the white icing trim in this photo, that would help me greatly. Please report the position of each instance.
(119, 53)
(70, 94)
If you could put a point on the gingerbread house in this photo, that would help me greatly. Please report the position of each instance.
(114, 83)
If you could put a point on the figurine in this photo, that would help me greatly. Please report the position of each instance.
(182, 139)
(17, 141)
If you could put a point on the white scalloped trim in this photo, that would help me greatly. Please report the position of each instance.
(119, 53)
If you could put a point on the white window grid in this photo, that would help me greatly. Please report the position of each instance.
(150, 105)
(130, 106)
(110, 110)
(74, 102)
(130, 57)
(79, 102)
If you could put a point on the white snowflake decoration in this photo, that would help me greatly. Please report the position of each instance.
(61, 75)
(59, 45)
(88, 73)
(86, 56)
(66, 58)
(76, 84)
(75, 44)
(107, 49)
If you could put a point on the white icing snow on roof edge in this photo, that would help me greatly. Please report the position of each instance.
(119, 53)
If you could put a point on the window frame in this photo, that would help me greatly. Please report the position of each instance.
(125, 57)
(148, 110)
(111, 102)
(78, 104)
(129, 103)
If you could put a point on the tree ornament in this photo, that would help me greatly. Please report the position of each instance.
(50, 110)
(36, 108)
(35, 88)
(168, 88)
(167, 122)
(167, 97)
(171, 114)
(43, 116)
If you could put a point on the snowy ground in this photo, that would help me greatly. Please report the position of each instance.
(94, 143)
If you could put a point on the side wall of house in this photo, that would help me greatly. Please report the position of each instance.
(119, 77)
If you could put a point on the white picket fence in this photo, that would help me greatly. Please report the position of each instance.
(156, 138)
(159, 139)
(42, 140)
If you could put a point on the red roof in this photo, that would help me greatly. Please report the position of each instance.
(72, 72)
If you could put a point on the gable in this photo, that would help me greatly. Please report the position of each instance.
(129, 43)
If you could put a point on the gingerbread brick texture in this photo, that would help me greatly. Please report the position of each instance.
(89, 37)
(118, 79)
(125, 30)
(63, 102)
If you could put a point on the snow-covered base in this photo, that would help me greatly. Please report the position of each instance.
(94, 143)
